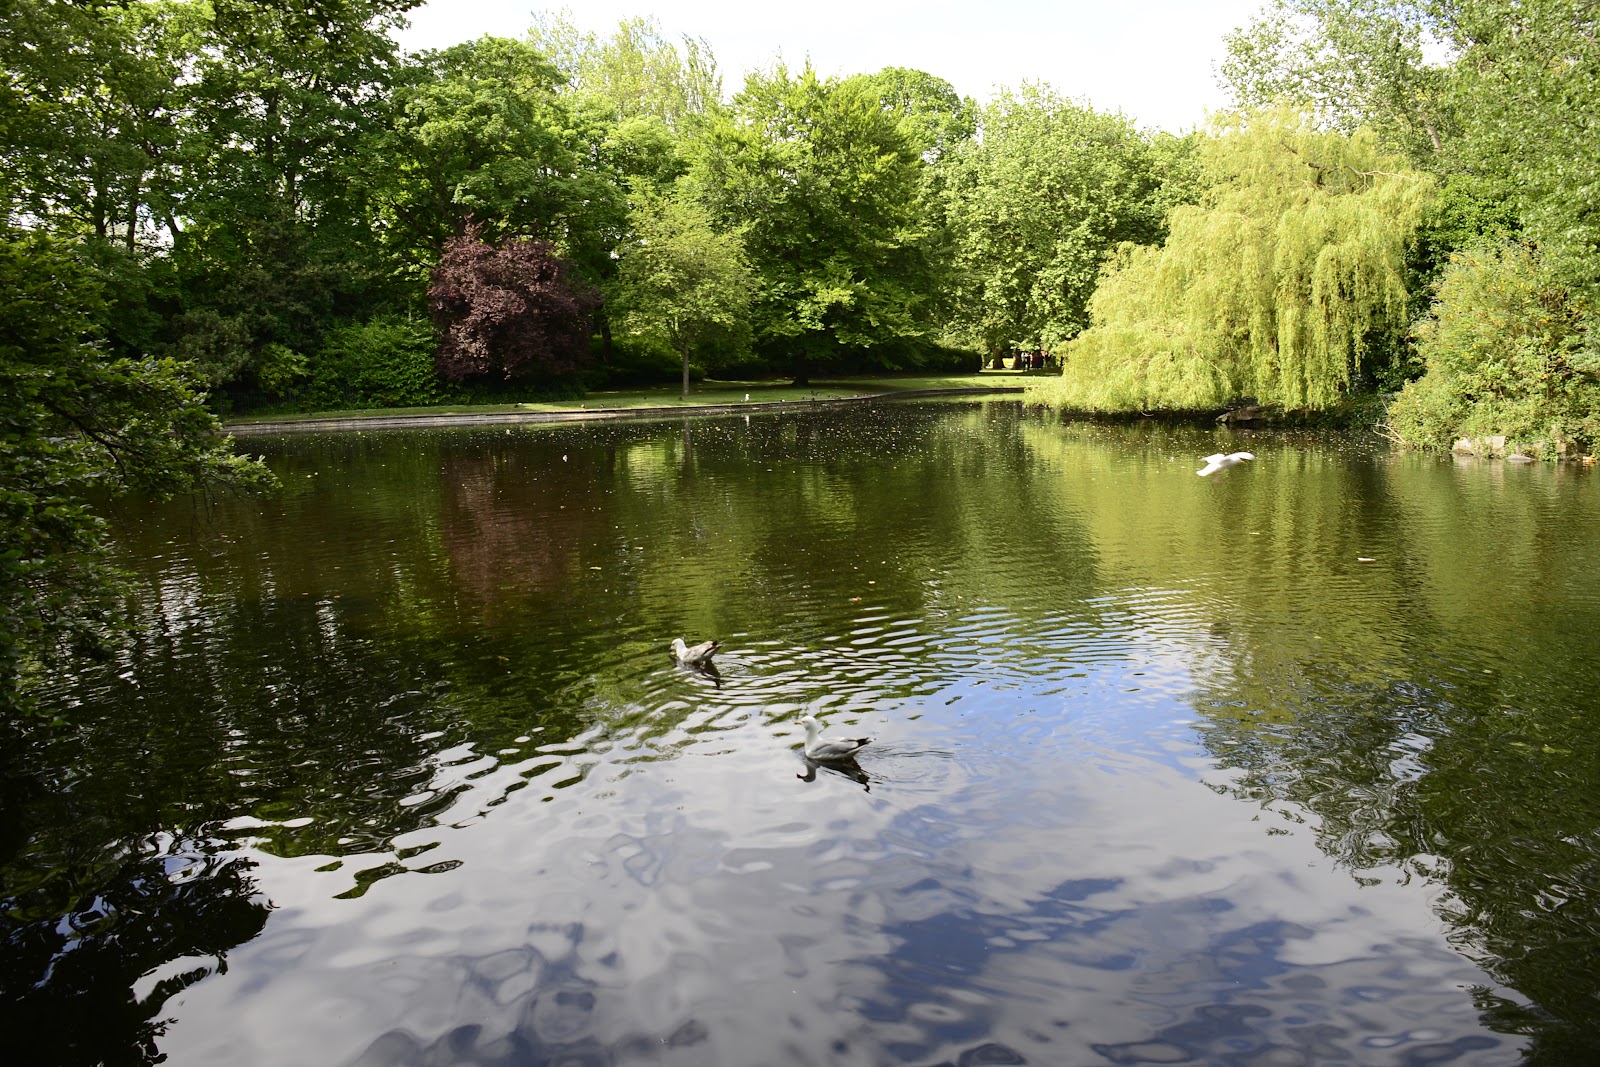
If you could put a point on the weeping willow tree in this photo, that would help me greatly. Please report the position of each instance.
(1276, 286)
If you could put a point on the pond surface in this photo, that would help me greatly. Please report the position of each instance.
(1295, 765)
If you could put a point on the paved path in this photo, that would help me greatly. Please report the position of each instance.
(495, 418)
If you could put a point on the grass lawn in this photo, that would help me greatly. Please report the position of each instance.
(704, 393)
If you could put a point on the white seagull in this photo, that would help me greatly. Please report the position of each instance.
(1220, 462)
(825, 749)
(697, 656)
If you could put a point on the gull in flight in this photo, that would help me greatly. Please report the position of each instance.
(1220, 462)
(696, 656)
(825, 749)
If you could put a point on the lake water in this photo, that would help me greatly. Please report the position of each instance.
(1295, 765)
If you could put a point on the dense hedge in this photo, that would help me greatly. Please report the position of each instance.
(388, 362)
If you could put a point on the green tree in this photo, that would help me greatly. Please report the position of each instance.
(1528, 90)
(78, 422)
(935, 118)
(269, 242)
(823, 184)
(1037, 203)
(937, 122)
(679, 280)
(479, 131)
(642, 97)
(1352, 63)
(1500, 98)
(636, 71)
(1503, 355)
(91, 106)
(1287, 276)
(1502, 92)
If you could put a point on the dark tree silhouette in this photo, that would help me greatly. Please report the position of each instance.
(510, 310)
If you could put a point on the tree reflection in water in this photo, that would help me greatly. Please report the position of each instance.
(87, 982)
(444, 653)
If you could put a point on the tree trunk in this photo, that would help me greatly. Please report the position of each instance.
(605, 340)
(802, 369)
(686, 372)
(133, 216)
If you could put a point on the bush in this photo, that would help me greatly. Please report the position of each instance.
(509, 310)
(950, 359)
(383, 363)
(632, 361)
(1503, 347)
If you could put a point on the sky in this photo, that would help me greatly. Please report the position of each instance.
(1153, 60)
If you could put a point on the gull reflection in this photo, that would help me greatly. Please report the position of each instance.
(845, 768)
(702, 670)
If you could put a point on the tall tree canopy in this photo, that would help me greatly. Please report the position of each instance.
(268, 243)
(1529, 91)
(478, 131)
(1276, 286)
(823, 183)
(936, 119)
(1353, 63)
(636, 71)
(1036, 204)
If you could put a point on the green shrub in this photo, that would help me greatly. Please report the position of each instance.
(388, 362)
(632, 361)
(1503, 347)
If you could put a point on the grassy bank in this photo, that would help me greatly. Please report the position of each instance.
(705, 393)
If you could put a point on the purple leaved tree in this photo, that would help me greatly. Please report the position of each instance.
(508, 310)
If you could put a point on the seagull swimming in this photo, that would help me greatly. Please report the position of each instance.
(1220, 462)
(823, 749)
(697, 656)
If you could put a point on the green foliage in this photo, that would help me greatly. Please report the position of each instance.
(934, 117)
(270, 230)
(1351, 63)
(824, 186)
(212, 144)
(1500, 98)
(1277, 286)
(1528, 88)
(1504, 356)
(88, 106)
(1036, 204)
(681, 281)
(636, 71)
(632, 360)
(388, 362)
(78, 422)
(478, 132)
